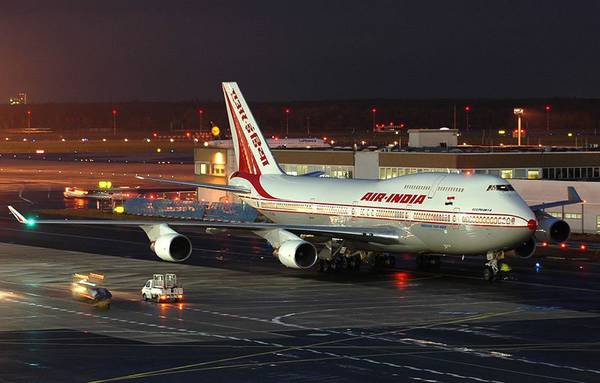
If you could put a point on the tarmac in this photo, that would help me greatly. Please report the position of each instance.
(246, 318)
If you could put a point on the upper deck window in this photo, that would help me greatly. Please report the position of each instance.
(500, 188)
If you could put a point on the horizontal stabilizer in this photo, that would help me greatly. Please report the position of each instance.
(229, 188)
(573, 198)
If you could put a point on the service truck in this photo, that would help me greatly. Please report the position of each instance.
(162, 288)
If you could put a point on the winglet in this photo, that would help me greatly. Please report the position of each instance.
(573, 195)
(17, 215)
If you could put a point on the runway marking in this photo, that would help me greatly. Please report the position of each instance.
(309, 348)
(174, 329)
(328, 356)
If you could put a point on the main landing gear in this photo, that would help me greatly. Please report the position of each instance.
(345, 259)
(428, 262)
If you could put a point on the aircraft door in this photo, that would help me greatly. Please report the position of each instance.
(313, 208)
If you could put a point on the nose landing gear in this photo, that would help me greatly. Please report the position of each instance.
(494, 271)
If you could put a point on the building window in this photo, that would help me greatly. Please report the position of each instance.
(506, 173)
(520, 173)
(598, 224)
(533, 174)
(218, 169)
(201, 168)
(572, 216)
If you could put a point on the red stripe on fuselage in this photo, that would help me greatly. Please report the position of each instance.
(254, 180)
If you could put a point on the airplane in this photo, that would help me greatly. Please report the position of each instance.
(352, 221)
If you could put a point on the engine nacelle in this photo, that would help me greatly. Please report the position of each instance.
(526, 249)
(172, 247)
(297, 254)
(551, 228)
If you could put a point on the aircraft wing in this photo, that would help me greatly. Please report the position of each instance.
(573, 198)
(229, 188)
(376, 234)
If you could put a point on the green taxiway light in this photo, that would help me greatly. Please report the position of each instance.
(30, 222)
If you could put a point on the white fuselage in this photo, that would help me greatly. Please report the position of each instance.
(432, 212)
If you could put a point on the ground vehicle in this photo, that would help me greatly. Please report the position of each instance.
(85, 287)
(162, 288)
(73, 192)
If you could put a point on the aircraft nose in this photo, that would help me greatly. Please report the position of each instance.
(527, 215)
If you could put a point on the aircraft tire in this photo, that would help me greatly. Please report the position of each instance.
(421, 263)
(392, 261)
(488, 274)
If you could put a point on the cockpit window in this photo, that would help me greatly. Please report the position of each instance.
(500, 188)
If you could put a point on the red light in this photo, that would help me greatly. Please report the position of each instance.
(582, 247)
(200, 111)
(544, 244)
(468, 172)
(467, 108)
(29, 112)
(532, 224)
(114, 112)
(563, 245)
(188, 134)
(287, 110)
(548, 108)
(401, 279)
(373, 110)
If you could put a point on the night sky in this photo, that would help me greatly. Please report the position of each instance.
(298, 50)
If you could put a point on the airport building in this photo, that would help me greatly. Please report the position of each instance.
(537, 176)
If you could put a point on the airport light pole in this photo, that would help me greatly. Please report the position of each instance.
(200, 119)
(467, 110)
(373, 112)
(114, 116)
(519, 113)
(287, 122)
(29, 119)
(548, 109)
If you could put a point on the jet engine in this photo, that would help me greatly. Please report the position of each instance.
(525, 249)
(172, 247)
(297, 254)
(551, 228)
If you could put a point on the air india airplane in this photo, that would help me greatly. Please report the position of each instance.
(346, 222)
